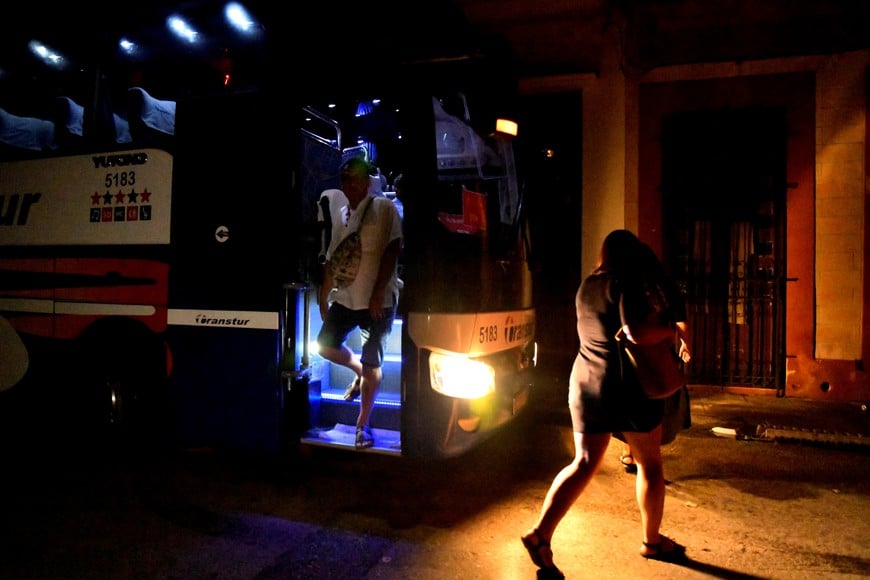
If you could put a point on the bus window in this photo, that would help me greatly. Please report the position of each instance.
(26, 133)
(482, 166)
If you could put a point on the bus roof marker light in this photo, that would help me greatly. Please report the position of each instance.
(506, 126)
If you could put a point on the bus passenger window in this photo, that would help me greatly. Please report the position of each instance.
(26, 133)
(151, 120)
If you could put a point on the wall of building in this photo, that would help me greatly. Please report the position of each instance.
(826, 334)
(840, 177)
(825, 331)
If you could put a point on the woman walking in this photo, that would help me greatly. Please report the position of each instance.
(621, 293)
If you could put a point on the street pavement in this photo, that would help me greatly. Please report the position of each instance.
(782, 492)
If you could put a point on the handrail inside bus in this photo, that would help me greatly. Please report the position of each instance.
(331, 122)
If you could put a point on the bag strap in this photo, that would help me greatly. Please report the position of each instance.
(326, 232)
(365, 210)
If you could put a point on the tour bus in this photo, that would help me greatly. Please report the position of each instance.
(160, 258)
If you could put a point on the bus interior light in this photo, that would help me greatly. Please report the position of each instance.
(460, 377)
(47, 55)
(182, 30)
(239, 19)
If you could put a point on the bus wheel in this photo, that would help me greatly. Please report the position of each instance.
(120, 386)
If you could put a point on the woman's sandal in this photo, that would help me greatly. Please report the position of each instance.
(657, 551)
(628, 463)
(550, 574)
(538, 550)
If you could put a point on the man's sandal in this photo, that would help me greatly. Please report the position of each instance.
(665, 550)
(364, 438)
(353, 390)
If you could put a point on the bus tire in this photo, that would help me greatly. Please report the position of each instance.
(119, 390)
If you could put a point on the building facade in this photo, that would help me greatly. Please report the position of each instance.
(749, 179)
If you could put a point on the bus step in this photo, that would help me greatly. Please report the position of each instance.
(387, 441)
(385, 413)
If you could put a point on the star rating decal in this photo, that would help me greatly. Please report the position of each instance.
(123, 206)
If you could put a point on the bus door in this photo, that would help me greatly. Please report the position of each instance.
(328, 136)
(234, 248)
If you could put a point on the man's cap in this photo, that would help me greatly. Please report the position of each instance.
(355, 164)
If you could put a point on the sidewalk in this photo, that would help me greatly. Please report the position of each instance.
(784, 419)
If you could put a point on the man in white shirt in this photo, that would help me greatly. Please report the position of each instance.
(369, 302)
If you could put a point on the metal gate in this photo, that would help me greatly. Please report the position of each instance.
(723, 195)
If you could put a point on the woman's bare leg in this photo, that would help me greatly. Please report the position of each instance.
(569, 483)
(650, 484)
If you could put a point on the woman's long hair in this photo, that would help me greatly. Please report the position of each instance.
(633, 264)
(623, 255)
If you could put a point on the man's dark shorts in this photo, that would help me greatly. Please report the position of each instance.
(339, 323)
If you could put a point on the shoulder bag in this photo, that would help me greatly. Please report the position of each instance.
(658, 367)
(345, 259)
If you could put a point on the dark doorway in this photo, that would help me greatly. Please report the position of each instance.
(723, 194)
(549, 160)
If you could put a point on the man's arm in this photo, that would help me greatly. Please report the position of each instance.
(325, 289)
(389, 262)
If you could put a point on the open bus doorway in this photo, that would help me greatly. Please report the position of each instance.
(463, 265)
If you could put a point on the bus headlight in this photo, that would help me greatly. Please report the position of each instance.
(460, 376)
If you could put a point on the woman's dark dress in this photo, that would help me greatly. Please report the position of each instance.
(599, 399)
